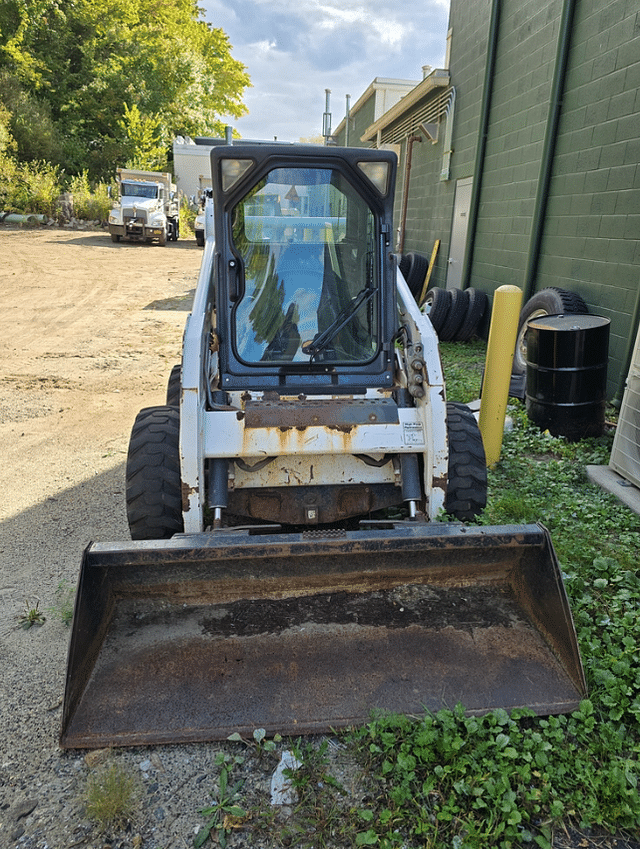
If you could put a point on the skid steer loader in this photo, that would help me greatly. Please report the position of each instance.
(289, 568)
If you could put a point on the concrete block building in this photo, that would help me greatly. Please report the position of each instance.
(522, 155)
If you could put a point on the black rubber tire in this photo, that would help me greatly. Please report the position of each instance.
(153, 494)
(475, 313)
(173, 387)
(403, 265)
(200, 238)
(457, 313)
(416, 266)
(115, 237)
(551, 301)
(467, 469)
(437, 303)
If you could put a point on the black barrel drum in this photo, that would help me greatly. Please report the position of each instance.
(567, 374)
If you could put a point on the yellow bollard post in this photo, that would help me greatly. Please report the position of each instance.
(497, 371)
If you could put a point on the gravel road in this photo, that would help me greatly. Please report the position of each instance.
(89, 331)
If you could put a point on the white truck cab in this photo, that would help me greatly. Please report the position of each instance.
(147, 210)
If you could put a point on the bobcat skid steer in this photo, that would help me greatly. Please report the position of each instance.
(266, 585)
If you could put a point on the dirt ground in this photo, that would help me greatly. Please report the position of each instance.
(89, 331)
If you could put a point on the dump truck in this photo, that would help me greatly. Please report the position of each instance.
(147, 210)
(301, 508)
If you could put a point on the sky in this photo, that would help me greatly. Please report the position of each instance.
(295, 49)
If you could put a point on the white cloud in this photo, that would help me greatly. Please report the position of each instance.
(299, 48)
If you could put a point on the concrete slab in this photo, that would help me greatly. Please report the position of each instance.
(612, 482)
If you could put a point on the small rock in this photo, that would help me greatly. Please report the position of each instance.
(23, 809)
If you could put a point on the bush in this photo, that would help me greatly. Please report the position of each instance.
(187, 219)
(29, 187)
(89, 203)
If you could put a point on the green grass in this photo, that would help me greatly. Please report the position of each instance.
(452, 781)
(448, 781)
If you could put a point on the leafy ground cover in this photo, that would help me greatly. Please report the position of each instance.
(447, 781)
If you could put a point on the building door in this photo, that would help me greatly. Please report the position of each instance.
(459, 232)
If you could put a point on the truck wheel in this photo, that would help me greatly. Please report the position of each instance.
(162, 238)
(414, 267)
(153, 488)
(475, 313)
(467, 472)
(437, 304)
(551, 301)
(200, 238)
(115, 237)
(173, 387)
(456, 314)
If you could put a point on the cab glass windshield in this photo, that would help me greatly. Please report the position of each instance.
(306, 240)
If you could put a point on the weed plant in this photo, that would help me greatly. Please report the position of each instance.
(62, 608)
(111, 797)
(223, 814)
(31, 616)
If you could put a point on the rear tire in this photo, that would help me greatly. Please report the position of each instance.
(154, 497)
(467, 473)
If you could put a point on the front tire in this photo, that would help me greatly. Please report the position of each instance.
(173, 387)
(153, 486)
(467, 472)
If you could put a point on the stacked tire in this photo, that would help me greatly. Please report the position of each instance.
(455, 314)
(551, 301)
(414, 267)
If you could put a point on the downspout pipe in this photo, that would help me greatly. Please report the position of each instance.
(548, 148)
(481, 149)
(411, 140)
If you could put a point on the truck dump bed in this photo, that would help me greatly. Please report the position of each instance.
(196, 637)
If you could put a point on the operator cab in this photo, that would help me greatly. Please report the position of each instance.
(308, 288)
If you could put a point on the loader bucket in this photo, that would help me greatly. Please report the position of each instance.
(197, 637)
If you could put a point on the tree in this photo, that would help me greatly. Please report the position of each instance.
(143, 136)
(93, 62)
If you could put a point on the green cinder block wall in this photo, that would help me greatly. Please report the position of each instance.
(591, 223)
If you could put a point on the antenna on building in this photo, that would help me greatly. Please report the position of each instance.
(326, 118)
(346, 120)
